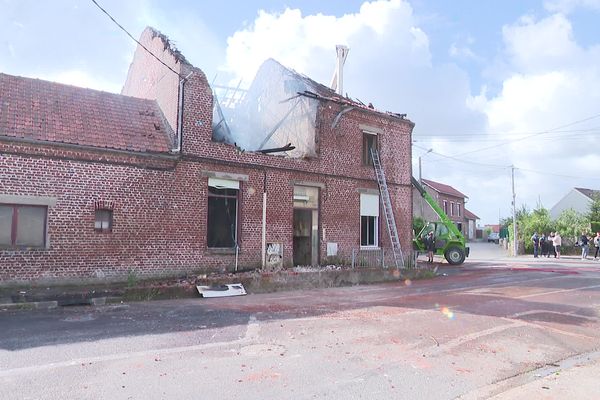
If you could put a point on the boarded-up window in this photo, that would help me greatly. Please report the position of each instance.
(22, 225)
(222, 213)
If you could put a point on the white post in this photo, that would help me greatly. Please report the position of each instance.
(264, 230)
(514, 212)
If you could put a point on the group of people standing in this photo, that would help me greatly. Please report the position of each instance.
(546, 245)
(550, 245)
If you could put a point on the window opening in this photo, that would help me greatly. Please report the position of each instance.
(104, 220)
(369, 142)
(222, 213)
(369, 218)
(22, 225)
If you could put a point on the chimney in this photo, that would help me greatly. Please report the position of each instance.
(337, 81)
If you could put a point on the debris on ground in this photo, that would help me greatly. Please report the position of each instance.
(227, 290)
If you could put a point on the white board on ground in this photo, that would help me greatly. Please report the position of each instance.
(227, 290)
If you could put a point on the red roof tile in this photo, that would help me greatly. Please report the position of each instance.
(48, 111)
(441, 188)
(470, 215)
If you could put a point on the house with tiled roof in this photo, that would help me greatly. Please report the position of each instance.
(578, 199)
(165, 179)
(451, 200)
(471, 225)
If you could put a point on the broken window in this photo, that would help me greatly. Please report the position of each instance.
(445, 207)
(458, 209)
(104, 221)
(222, 213)
(369, 143)
(369, 217)
(451, 208)
(22, 225)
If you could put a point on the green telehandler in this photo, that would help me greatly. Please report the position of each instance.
(449, 241)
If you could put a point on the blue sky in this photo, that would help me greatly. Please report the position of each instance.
(488, 84)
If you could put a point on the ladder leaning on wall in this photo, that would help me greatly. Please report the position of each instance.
(387, 209)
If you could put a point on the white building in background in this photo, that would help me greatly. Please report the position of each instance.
(579, 199)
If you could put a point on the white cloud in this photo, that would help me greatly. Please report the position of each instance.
(541, 45)
(552, 85)
(389, 64)
(566, 6)
(307, 43)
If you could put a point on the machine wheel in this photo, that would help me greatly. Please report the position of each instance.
(455, 255)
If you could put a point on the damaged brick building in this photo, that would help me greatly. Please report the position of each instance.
(95, 185)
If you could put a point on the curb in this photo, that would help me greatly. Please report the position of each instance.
(254, 282)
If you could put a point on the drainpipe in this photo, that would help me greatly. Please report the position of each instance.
(182, 81)
(264, 221)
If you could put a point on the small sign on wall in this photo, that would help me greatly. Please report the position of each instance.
(274, 256)
(332, 249)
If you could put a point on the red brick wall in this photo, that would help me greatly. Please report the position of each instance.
(149, 79)
(160, 202)
(160, 215)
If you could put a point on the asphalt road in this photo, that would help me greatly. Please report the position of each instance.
(494, 326)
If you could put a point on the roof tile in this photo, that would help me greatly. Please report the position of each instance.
(442, 188)
(48, 111)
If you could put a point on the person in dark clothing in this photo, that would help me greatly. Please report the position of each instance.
(536, 244)
(543, 244)
(584, 242)
(551, 248)
(430, 246)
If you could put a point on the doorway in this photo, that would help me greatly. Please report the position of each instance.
(306, 225)
(302, 237)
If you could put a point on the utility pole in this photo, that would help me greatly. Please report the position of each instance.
(421, 182)
(514, 211)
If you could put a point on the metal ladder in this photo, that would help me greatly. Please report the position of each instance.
(387, 208)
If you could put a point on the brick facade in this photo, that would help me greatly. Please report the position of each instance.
(440, 197)
(159, 200)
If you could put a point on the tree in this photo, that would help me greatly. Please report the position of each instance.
(594, 214)
(537, 221)
(570, 224)
(418, 224)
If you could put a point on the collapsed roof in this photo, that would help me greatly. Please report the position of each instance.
(270, 114)
(278, 111)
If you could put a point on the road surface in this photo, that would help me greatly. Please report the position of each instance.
(496, 328)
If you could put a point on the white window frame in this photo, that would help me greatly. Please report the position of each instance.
(369, 207)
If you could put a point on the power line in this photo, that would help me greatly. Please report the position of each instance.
(505, 166)
(491, 133)
(486, 139)
(529, 136)
(134, 39)
(557, 175)
(463, 161)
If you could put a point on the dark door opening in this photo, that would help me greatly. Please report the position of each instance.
(302, 237)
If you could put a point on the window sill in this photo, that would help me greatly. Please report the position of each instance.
(222, 250)
(370, 248)
(22, 248)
